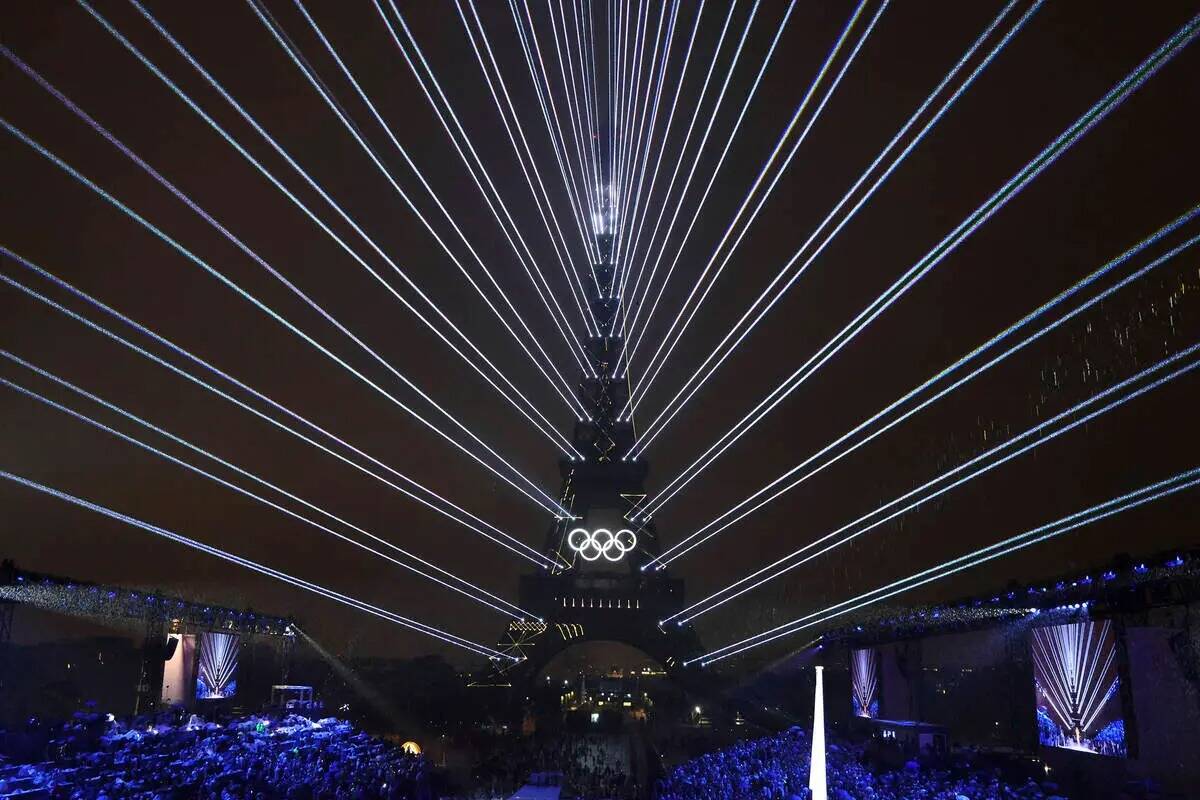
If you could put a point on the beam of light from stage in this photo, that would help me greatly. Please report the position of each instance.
(1147, 494)
(561, 385)
(547, 430)
(564, 255)
(627, 353)
(817, 786)
(1098, 112)
(652, 431)
(659, 358)
(639, 224)
(461, 515)
(727, 518)
(864, 680)
(507, 608)
(1076, 663)
(642, 140)
(526, 258)
(262, 569)
(548, 503)
(558, 140)
(793, 560)
(309, 213)
(687, 138)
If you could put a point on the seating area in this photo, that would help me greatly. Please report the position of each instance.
(776, 768)
(95, 757)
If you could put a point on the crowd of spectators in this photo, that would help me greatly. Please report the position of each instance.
(95, 757)
(776, 768)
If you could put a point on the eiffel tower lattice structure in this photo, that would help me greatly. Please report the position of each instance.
(599, 591)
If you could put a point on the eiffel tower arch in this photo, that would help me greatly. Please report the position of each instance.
(599, 590)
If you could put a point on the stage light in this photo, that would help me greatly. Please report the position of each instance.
(562, 386)
(507, 608)
(390, 616)
(467, 519)
(655, 364)
(545, 426)
(728, 518)
(949, 243)
(1125, 502)
(652, 430)
(987, 467)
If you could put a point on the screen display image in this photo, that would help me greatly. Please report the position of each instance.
(864, 682)
(1078, 688)
(216, 675)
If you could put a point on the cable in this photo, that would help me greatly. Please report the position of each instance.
(471, 521)
(681, 619)
(420, 627)
(1139, 497)
(649, 434)
(685, 545)
(501, 605)
(1010, 189)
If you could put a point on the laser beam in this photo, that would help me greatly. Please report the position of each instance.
(1179, 482)
(473, 591)
(652, 431)
(462, 517)
(947, 245)
(724, 520)
(765, 574)
(545, 427)
(262, 569)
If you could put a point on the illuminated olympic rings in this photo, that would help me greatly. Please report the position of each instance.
(591, 545)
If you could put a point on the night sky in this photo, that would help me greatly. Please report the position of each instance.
(1134, 173)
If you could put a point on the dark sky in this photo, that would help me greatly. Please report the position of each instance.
(1134, 173)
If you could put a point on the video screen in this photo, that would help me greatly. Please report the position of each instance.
(1078, 688)
(216, 675)
(864, 682)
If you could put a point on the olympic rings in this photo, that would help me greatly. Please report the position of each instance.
(591, 545)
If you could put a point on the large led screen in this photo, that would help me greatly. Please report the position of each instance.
(216, 676)
(1077, 685)
(864, 683)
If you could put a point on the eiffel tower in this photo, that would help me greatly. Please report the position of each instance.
(599, 590)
